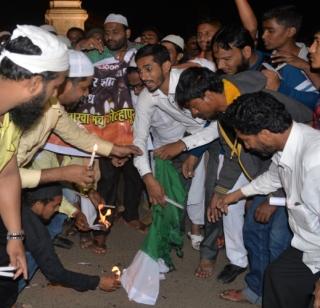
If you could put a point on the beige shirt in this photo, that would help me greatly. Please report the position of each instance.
(55, 119)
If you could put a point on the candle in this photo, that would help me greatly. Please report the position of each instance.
(95, 148)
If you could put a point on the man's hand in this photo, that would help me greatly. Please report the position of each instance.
(95, 198)
(222, 203)
(188, 166)
(290, 58)
(125, 150)
(170, 150)
(155, 190)
(81, 221)
(118, 162)
(89, 44)
(17, 258)
(316, 294)
(264, 212)
(109, 283)
(78, 174)
(213, 213)
(273, 80)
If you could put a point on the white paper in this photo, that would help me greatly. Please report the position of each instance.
(277, 201)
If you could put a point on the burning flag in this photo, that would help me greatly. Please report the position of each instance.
(141, 278)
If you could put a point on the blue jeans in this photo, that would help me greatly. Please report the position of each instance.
(54, 228)
(56, 224)
(264, 243)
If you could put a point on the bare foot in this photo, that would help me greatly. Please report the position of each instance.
(85, 241)
(233, 295)
(137, 225)
(99, 244)
(205, 269)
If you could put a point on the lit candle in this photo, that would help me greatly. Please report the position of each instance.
(95, 148)
(116, 271)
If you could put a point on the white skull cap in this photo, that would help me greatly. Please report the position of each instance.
(80, 64)
(53, 58)
(175, 39)
(120, 19)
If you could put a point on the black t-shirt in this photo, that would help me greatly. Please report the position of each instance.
(39, 244)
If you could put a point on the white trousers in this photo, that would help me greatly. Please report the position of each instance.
(196, 194)
(233, 226)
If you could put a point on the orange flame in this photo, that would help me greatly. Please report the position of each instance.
(103, 217)
(116, 271)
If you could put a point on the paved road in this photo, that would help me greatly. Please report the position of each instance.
(180, 289)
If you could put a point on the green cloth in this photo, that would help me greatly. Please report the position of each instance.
(165, 232)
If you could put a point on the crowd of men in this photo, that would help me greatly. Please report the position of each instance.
(239, 122)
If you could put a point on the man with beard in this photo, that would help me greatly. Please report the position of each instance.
(208, 98)
(33, 63)
(55, 119)
(234, 51)
(264, 125)
(110, 97)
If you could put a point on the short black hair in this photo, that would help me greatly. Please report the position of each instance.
(10, 70)
(286, 15)
(211, 20)
(159, 53)
(44, 193)
(233, 35)
(153, 29)
(251, 113)
(194, 82)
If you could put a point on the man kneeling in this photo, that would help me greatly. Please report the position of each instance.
(39, 205)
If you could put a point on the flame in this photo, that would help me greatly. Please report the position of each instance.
(95, 147)
(103, 217)
(116, 271)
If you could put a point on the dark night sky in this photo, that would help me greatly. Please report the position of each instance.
(160, 13)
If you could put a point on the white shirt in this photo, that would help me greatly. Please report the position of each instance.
(297, 170)
(160, 114)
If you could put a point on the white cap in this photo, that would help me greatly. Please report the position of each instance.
(49, 28)
(80, 64)
(120, 19)
(175, 39)
(53, 57)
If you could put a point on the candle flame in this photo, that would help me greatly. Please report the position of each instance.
(95, 147)
(103, 217)
(116, 271)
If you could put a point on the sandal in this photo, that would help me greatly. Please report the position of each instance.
(195, 240)
(234, 296)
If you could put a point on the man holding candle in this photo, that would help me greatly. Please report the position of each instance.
(56, 119)
(30, 72)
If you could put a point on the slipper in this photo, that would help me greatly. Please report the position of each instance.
(195, 240)
(234, 296)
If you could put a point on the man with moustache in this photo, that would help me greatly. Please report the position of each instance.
(33, 64)
(208, 98)
(55, 119)
(264, 125)
(110, 96)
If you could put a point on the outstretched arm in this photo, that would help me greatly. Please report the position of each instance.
(247, 16)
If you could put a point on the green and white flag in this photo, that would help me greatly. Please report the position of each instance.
(141, 279)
